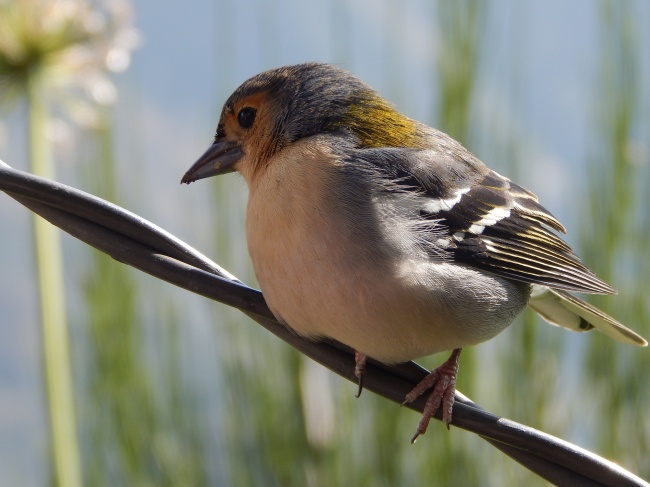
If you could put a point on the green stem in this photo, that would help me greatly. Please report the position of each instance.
(56, 350)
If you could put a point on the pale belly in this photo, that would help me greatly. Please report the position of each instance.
(387, 316)
(393, 310)
(323, 277)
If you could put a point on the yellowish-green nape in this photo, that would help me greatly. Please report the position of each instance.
(377, 124)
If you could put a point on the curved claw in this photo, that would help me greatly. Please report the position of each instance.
(443, 381)
(359, 370)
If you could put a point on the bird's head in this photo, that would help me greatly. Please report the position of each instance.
(274, 109)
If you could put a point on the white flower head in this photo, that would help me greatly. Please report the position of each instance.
(73, 45)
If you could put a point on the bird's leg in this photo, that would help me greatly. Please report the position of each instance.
(359, 369)
(443, 381)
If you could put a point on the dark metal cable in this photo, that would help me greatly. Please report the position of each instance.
(134, 241)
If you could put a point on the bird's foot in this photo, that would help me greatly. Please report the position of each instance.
(359, 369)
(443, 381)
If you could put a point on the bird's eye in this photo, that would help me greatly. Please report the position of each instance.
(246, 117)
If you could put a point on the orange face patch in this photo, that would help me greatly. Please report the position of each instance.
(229, 124)
(255, 140)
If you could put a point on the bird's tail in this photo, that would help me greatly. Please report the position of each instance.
(565, 310)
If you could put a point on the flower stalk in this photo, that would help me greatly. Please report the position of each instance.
(49, 262)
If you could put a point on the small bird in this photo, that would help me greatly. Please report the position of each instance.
(385, 234)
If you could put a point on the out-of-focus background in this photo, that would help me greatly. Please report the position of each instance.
(118, 98)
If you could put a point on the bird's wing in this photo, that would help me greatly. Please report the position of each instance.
(491, 222)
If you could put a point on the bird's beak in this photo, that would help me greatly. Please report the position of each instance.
(220, 158)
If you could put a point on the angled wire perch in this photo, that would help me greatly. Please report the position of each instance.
(133, 240)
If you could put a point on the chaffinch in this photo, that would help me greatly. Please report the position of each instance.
(387, 235)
